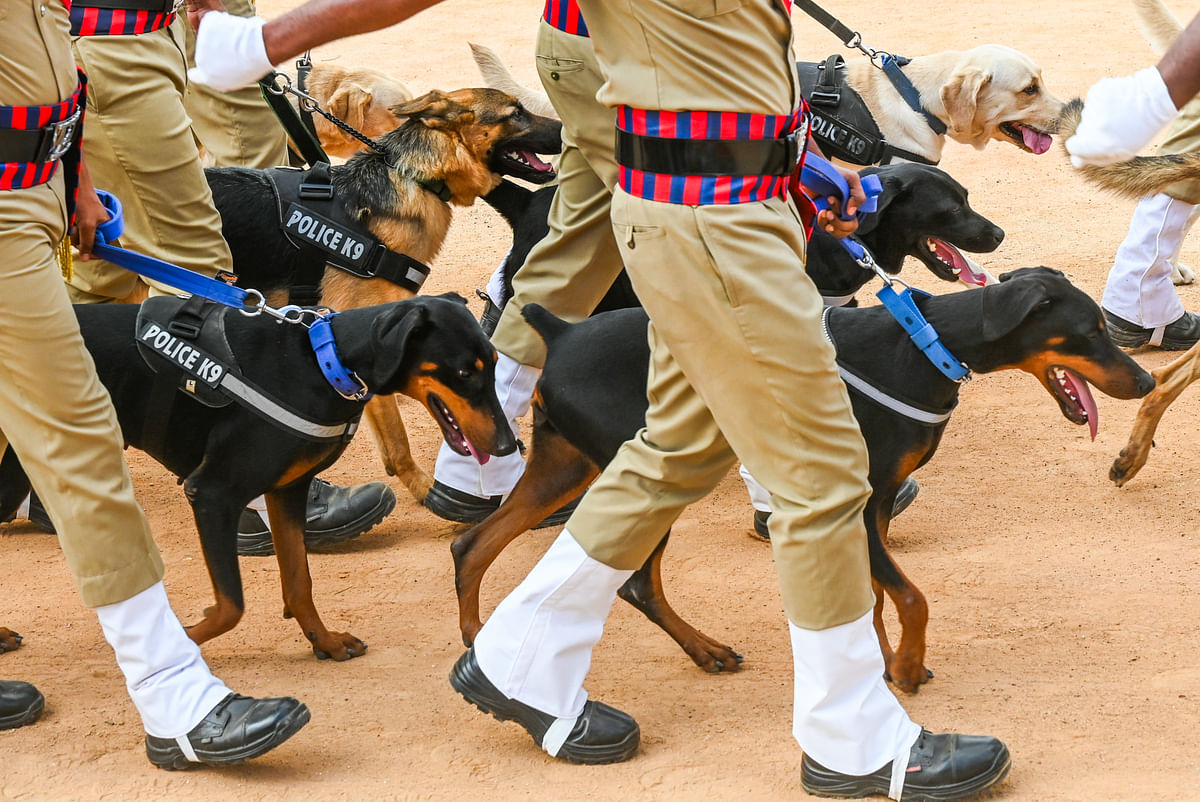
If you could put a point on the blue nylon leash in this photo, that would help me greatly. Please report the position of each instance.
(248, 302)
(819, 176)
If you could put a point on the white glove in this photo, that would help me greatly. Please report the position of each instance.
(229, 51)
(1120, 116)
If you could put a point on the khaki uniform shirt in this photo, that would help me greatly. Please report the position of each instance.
(695, 55)
(36, 64)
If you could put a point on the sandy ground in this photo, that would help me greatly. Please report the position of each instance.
(1059, 604)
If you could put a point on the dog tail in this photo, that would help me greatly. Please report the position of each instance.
(1139, 177)
(544, 323)
(1157, 24)
(497, 76)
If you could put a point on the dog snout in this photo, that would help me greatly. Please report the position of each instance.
(1145, 383)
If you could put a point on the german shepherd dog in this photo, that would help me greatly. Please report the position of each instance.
(466, 139)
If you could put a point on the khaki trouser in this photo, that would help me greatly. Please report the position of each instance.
(739, 365)
(571, 269)
(138, 145)
(1183, 136)
(57, 416)
(237, 128)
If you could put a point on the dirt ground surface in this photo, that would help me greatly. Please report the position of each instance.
(1059, 604)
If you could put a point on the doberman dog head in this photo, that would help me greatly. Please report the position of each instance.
(924, 213)
(480, 128)
(431, 348)
(1037, 321)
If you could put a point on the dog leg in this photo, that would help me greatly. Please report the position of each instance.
(905, 667)
(644, 590)
(9, 641)
(1170, 380)
(392, 439)
(14, 485)
(216, 510)
(556, 473)
(286, 508)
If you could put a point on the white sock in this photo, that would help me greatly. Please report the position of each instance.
(845, 716)
(537, 645)
(168, 680)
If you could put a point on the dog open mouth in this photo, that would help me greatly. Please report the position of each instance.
(948, 263)
(523, 164)
(453, 435)
(1073, 396)
(1026, 137)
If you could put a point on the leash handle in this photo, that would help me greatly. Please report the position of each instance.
(822, 179)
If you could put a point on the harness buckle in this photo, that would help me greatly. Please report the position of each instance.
(57, 138)
(316, 191)
(818, 98)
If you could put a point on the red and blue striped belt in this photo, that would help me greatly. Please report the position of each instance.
(708, 157)
(120, 17)
(564, 15)
(34, 138)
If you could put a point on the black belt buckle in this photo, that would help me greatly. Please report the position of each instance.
(57, 139)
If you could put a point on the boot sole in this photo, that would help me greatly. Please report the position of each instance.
(462, 512)
(26, 716)
(840, 786)
(506, 710)
(259, 544)
(171, 758)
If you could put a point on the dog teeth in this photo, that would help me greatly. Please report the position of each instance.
(1060, 376)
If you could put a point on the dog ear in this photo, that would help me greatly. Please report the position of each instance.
(1006, 305)
(893, 188)
(960, 96)
(391, 336)
(435, 110)
(350, 103)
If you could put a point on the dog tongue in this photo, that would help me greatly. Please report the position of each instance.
(975, 274)
(1036, 140)
(480, 456)
(1080, 387)
(535, 162)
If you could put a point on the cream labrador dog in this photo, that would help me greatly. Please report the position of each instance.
(988, 92)
(361, 97)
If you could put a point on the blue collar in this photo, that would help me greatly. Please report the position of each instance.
(904, 308)
(347, 384)
(891, 68)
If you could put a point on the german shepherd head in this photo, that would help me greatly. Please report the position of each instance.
(451, 148)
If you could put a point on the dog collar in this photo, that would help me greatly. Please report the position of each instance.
(904, 309)
(438, 187)
(343, 380)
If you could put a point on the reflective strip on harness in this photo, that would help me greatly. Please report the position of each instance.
(256, 400)
(877, 394)
(712, 126)
(565, 15)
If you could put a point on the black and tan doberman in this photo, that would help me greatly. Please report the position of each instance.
(229, 445)
(592, 397)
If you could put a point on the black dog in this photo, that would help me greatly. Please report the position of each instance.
(592, 398)
(922, 212)
(226, 454)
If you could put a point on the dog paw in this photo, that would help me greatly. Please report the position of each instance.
(1182, 274)
(9, 641)
(339, 646)
(713, 657)
(1126, 466)
(907, 676)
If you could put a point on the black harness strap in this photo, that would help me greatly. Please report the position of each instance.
(316, 222)
(302, 137)
(890, 64)
(841, 121)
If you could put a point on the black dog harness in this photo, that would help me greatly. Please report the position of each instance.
(863, 386)
(841, 121)
(183, 341)
(317, 224)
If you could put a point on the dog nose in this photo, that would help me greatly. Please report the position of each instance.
(1145, 383)
(997, 234)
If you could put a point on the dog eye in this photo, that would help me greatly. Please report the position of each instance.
(463, 373)
(1032, 89)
